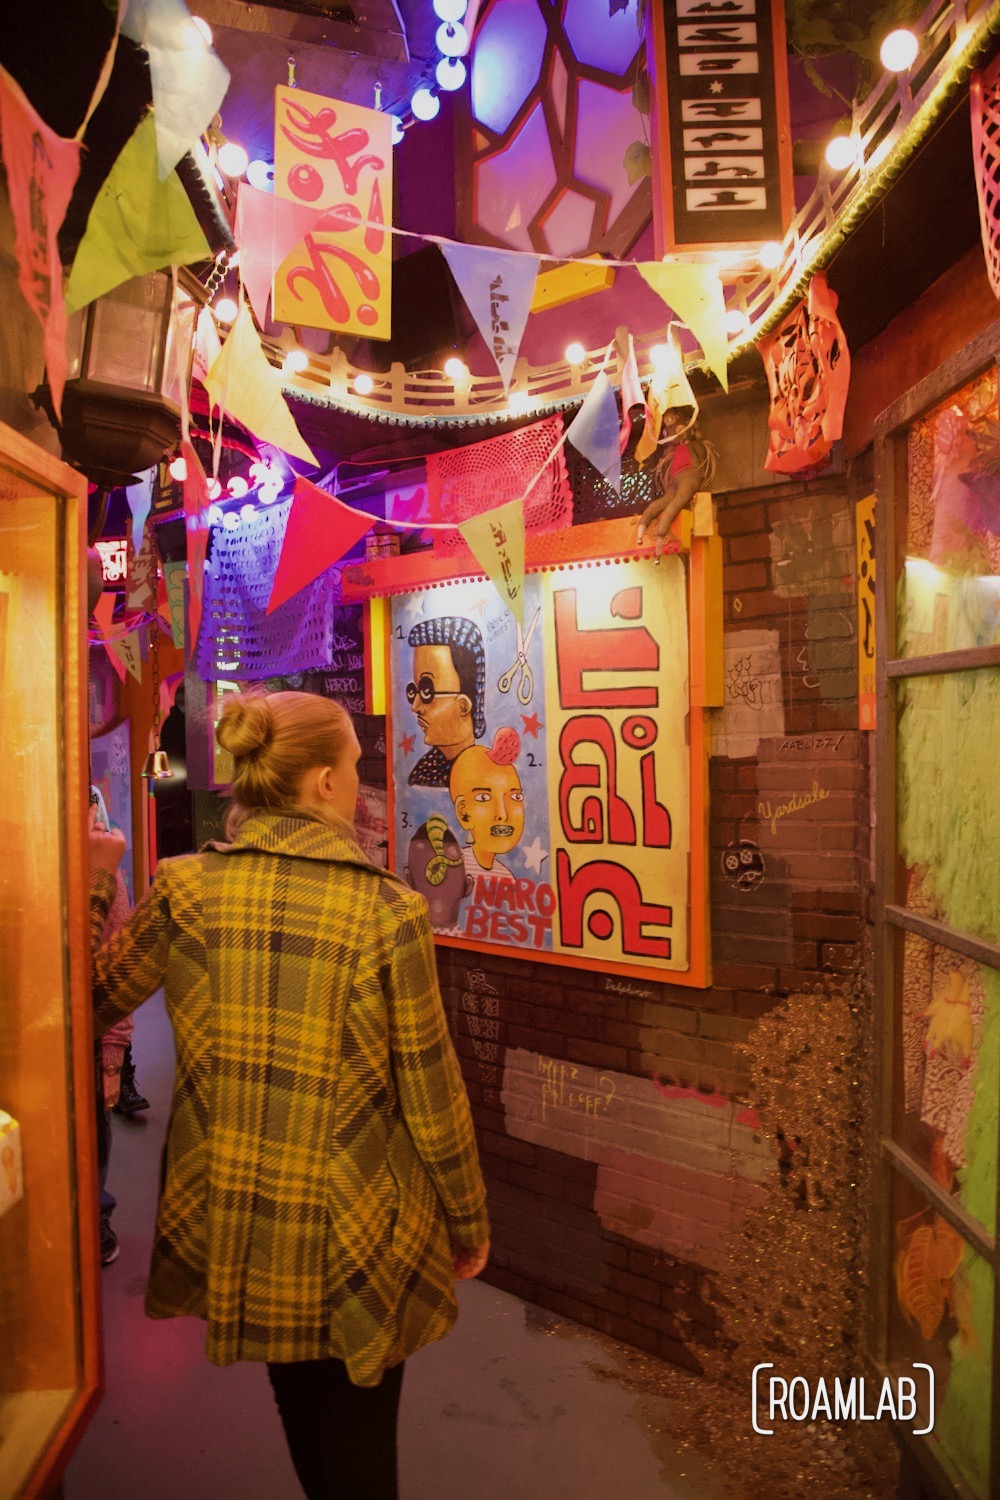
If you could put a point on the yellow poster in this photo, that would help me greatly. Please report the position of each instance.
(336, 156)
(864, 514)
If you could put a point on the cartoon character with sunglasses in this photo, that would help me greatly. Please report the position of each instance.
(446, 694)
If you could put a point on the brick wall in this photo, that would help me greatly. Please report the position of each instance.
(614, 1121)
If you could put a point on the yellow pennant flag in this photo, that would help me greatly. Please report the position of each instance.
(128, 653)
(242, 383)
(137, 224)
(496, 540)
(694, 294)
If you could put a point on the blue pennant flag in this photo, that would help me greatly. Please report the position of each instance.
(594, 431)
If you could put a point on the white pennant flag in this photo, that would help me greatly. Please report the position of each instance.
(497, 287)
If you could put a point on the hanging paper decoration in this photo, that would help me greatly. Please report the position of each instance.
(140, 586)
(243, 384)
(174, 574)
(207, 345)
(984, 98)
(594, 431)
(808, 373)
(632, 396)
(41, 172)
(337, 157)
(669, 388)
(496, 540)
(189, 81)
(129, 652)
(497, 288)
(694, 294)
(125, 655)
(137, 224)
(268, 228)
(140, 503)
(320, 530)
(196, 533)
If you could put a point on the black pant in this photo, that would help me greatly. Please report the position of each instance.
(342, 1437)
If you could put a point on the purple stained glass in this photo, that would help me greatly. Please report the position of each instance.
(601, 40)
(606, 125)
(507, 61)
(512, 185)
(568, 226)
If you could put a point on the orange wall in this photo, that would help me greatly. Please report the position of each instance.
(958, 306)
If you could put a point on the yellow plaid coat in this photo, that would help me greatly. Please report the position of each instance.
(320, 1158)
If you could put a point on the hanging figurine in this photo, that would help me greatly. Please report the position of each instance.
(686, 462)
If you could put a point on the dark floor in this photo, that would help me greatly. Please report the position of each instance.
(506, 1408)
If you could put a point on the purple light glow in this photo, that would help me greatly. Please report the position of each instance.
(607, 124)
(601, 40)
(506, 61)
(512, 185)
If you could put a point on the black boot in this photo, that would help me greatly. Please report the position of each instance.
(130, 1101)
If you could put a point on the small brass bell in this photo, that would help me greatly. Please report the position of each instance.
(157, 767)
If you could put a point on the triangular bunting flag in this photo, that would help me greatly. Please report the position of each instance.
(594, 431)
(128, 652)
(140, 587)
(102, 612)
(694, 293)
(174, 574)
(140, 503)
(631, 394)
(137, 224)
(246, 387)
(189, 81)
(497, 287)
(207, 345)
(267, 230)
(41, 172)
(669, 388)
(496, 540)
(320, 530)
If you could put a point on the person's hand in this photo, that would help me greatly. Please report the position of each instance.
(468, 1263)
(106, 849)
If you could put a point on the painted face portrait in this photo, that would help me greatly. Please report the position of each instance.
(489, 804)
(443, 710)
(435, 869)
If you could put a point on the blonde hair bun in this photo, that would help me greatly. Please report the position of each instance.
(246, 725)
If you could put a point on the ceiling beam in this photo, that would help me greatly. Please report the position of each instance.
(378, 30)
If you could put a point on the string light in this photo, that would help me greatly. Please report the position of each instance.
(213, 489)
(450, 74)
(363, 384)
(295, 361)
(424, 104)
(575, 353)
(841, 153)
(519, 402)
(899, 51)
(450, 10)
(452, 39)
(736, 321)
(178, 469)
(260, 174)
(237, 487)
(769, 255)
(232, 159)
(397, 129)
(225, 309)
(455, 368)
(247, 512)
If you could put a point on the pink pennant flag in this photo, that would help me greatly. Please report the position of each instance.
(267, 230)
(41, 170)
(319, 531)
(102, 612)
(196, 528)
(632, 395)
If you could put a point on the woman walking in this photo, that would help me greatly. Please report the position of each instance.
(321, 1188)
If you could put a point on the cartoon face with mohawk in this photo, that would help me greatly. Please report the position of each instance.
(489, 803)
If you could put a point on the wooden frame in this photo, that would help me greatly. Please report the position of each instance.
(576, 547)
(52, 1235)
(892, 1158)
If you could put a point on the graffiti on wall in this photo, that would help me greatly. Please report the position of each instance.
(754, 705)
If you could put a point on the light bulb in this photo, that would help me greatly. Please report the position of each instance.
(660, 356)
(450, 10)
(260, 174)
(237, 487)
(213, 489)
(230, 520)
(450, 74)
(178, 469)
(232, 159)
(295, 361)
(363, 384)
(247, 512)
(899, 51)
(397, 129)
(455, 368)
(736, 321)
(225, 309)
(424, 104)
(519, 401)
(769, 255)
(215, 515)
(452, 39)
(841, 153)
(575, 353)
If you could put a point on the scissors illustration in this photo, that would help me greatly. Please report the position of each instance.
(526, 686)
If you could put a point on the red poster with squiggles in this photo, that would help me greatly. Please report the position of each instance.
(337, 157)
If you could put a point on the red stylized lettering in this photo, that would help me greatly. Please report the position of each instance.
(619, 887)
(319, 275)
(626, 649)
(657, 832)
(312, 135)
(590, 729)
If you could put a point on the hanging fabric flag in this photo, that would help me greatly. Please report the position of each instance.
(140, 585)
(137, 224)
(174, 574)
(267, 230)
(632, 396)
(669, 389)
(594, 431)
(102, 613)
(41, 172)
(207, 345)
(140, 503)
(694, 293)
(320, 530)
(189, 81)
(128, 651)
(497, 288)
(243, 384)
(496, 540)
(196, 533)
